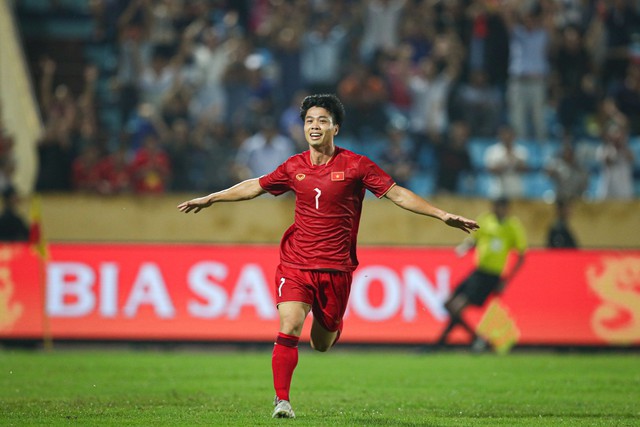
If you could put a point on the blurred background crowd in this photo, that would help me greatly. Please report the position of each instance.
(525, 99)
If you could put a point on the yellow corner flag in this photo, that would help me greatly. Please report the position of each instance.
(36, 235)
(498, 327)
(39, 245)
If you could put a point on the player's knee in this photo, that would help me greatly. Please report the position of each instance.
(322, 347)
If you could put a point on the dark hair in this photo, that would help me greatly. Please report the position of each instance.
(8, 193)
(329, 102)
(501, 201)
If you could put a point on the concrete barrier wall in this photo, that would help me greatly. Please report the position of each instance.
(263, 220)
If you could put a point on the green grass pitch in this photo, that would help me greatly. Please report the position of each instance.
(344, 387)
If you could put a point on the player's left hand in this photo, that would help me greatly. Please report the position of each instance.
(195, 205)
(464, 224)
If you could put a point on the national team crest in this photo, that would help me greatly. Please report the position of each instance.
(300, 176)
(337, 176)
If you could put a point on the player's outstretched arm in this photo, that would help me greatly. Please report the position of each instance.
(245, 190)
(410, 201)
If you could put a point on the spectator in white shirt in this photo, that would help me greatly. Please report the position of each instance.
(506, 161)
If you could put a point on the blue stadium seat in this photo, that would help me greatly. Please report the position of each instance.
(373, 148)
(592, 187)
(537, 185)
(466, 185)
(423, 184)
(483, 184)
(539, 153)
(427, 158)
(348, 142)
(477, 147)
(634, 144)
(70, 28)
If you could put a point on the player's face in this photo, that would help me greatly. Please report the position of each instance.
(319, 128)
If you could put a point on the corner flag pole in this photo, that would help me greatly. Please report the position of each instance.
(39, 245)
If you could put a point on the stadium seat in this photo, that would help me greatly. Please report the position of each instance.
(477, 148)
(483, 184)
(537, 185)
(592, 187)
(534, 152)
(422, 183)
(373, 148)
(634, 144)
(466, 185)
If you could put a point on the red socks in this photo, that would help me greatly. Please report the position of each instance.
(283, 362)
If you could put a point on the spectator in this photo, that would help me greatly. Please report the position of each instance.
(236, 86)
(429, 94)
(12, 227)
(365, 97)
(506, 161)
(263, 152)
(164, 74)
(626, 95)
(453, 159)
(86, 172)
(570, 178)
(55, 157)
(7, 159)
(488, 42)
(321, 56)
(288, 54)
(115, 172)
(222, 149)
(178, 144)
(529, 45)
(418, 30)
(479, 104)
(290, 124)
(616, 163)
(261, 98)
(396, 73)
(211, 57)
(210, 156)
(151, 167)
(381, 26)
(560, 235)
(620, 20)
(397, 158)
(572, 72)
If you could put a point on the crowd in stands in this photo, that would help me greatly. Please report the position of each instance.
(476, 95)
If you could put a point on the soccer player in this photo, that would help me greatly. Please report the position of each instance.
(318, 252)
(498, 235)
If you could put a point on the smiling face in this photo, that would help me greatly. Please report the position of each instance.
(319, 127)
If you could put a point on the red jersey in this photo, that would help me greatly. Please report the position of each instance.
(328, 207)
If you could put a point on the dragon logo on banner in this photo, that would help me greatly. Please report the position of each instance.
(10, 311)
(617, 283)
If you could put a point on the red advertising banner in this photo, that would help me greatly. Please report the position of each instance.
(226, 293)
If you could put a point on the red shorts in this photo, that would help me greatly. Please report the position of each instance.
(327, 292)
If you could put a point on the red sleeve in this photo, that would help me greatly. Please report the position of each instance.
(276, 182)
(374, 178)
